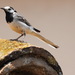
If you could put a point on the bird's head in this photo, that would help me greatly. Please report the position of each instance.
(9, 9)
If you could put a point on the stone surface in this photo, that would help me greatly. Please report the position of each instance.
(27, 60)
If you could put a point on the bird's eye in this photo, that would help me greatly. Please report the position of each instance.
(15, 11)
(9, 9)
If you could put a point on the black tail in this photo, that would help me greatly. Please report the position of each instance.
(36, 30)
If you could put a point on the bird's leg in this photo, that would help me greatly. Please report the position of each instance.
(24, 34)
(18, 37)
(21, 35)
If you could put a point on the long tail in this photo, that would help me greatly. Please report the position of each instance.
(45, 40)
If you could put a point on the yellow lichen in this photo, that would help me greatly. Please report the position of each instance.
(52, 60)
(7, 46)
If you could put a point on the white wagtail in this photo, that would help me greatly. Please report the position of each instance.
(22, 26)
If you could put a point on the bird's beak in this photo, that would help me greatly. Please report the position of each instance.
(2, 8)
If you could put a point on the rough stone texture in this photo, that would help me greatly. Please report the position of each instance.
(7, 46)
(29, 61)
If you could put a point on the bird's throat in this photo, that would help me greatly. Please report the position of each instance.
(9, 17)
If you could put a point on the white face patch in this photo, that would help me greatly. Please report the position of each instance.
(9, 9)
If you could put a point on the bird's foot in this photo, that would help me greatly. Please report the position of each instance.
(13, 39)
(17, 40)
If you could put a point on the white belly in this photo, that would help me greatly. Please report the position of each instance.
(20, 27)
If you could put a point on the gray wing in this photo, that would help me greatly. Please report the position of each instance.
(23, 20)
(26, 22)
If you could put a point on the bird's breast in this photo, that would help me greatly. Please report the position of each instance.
(20, 27)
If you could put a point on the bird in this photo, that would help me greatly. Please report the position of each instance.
(20, 25)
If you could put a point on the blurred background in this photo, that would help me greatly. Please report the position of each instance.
(55, 19)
